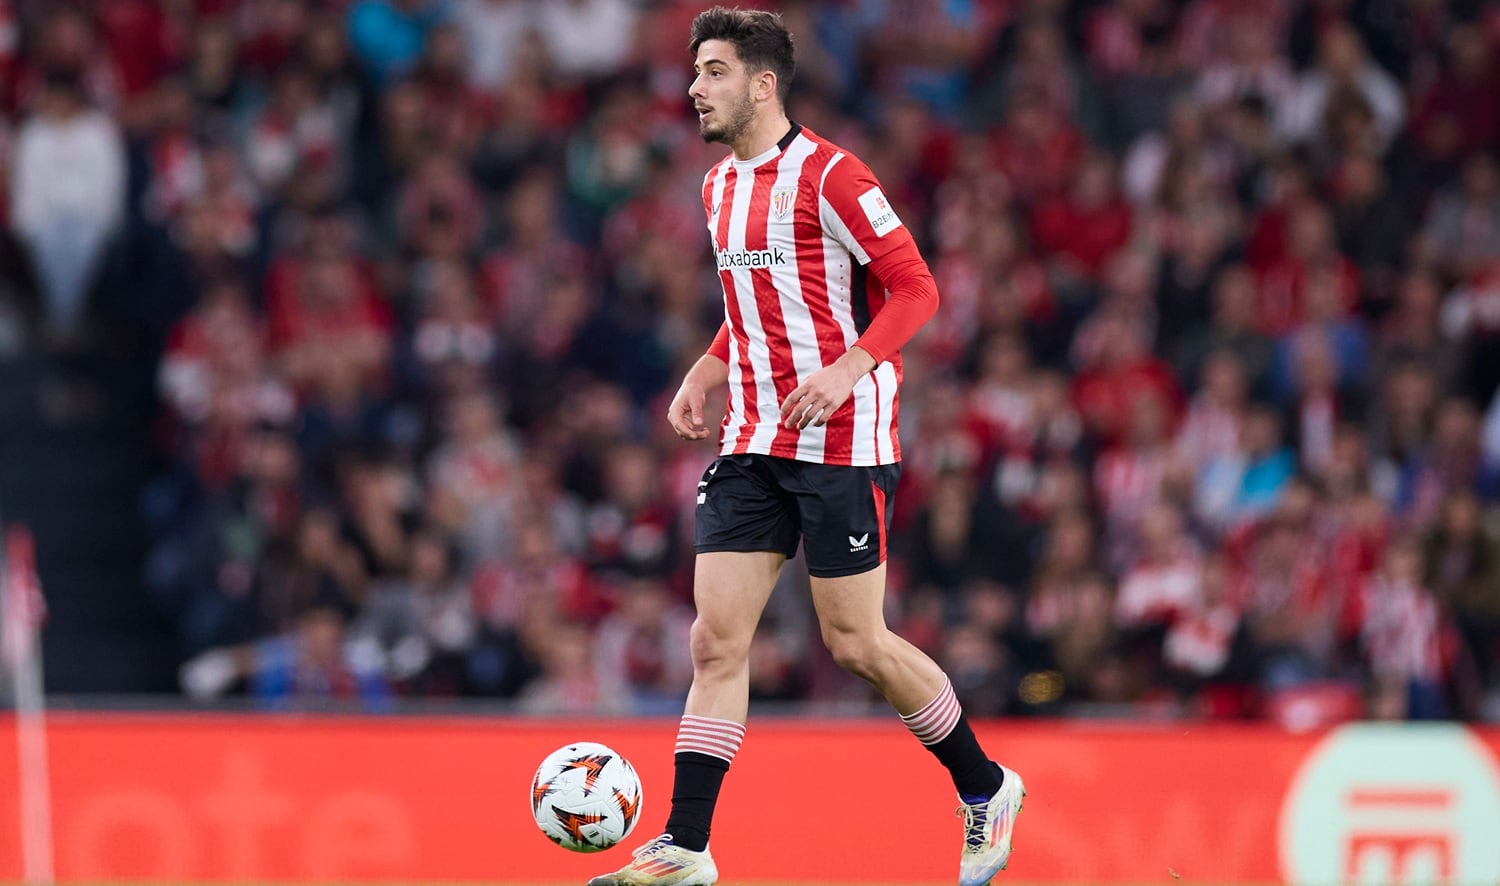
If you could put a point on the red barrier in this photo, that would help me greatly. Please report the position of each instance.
(331, 799)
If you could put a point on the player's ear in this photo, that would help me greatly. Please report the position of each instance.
(765, 85)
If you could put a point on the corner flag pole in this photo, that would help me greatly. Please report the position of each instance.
(24, 610)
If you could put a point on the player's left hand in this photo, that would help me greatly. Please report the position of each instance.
(816, 400)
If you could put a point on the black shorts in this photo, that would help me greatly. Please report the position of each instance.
(763, 503)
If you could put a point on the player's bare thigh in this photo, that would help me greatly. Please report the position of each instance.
(730, 588)
(850, 604)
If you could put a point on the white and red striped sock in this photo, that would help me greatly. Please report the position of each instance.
(705, 735)
(937, 718)
(942, 728)
(705, 748)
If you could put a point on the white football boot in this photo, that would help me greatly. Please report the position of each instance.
(662, 863)
(987, 832)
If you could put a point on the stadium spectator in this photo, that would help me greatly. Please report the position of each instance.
(1402, 635)
(494, 32)
(1461, 557)
(1451, 119)
(1162, 584)
(309, 665)
(67, 190)
(388, 35)
(1215, 417)
(1343, 68)
(420, 624)
(569, 681)
(1247, 62)
(1244, 483)
(1461, 235)
(645, 642)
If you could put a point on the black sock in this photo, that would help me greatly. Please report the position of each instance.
(695, 790)
(973, 773)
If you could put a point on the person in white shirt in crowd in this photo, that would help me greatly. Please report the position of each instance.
(67, 196)
(1343, 65)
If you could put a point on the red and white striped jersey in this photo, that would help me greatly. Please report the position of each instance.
(793, 231)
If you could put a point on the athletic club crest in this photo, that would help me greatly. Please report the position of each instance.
(783, 198)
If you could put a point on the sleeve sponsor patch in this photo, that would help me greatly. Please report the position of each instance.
(878, 210)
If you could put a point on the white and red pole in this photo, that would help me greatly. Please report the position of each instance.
(22, 612)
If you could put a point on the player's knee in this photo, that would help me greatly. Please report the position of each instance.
(856, 652)
(714, 650)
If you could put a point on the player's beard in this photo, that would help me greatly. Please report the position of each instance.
(736, 121)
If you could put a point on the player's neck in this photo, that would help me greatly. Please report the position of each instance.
(761, 136)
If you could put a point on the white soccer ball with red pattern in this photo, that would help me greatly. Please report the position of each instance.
(586, 797)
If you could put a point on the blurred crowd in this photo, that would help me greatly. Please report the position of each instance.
(1205, 427)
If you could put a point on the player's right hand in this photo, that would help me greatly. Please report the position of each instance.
(686, 412)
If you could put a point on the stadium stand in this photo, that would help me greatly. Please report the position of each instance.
(335, 337)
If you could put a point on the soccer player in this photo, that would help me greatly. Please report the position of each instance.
(822, 286)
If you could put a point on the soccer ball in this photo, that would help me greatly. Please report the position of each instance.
(585, 797)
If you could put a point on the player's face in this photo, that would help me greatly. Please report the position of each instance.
(721, 93)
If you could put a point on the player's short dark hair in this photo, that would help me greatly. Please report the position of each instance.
(759, 38)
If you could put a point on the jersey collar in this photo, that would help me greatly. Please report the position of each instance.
(773, 151)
